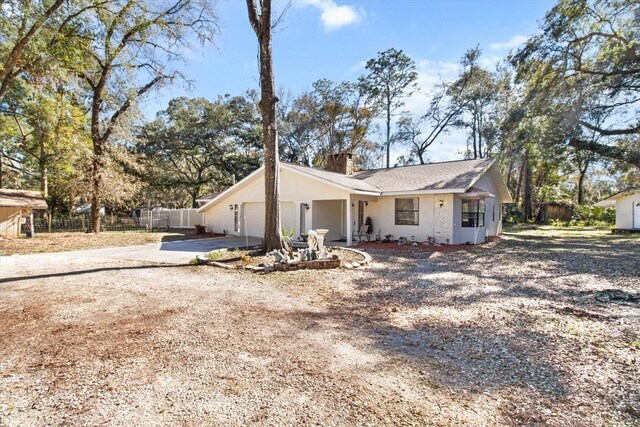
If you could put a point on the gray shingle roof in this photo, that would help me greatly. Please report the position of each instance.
(337, 178)
(433, 176)
(22, 199)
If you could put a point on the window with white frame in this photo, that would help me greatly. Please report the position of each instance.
(473, 213)
(407, 211)
(236, 219)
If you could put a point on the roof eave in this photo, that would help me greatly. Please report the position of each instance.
(606, 203)
(327, 181)
(619, 194)
(367, 193)
(506, 197)
(413, 192)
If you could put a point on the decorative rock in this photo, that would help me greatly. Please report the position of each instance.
(355, 264)
(348, 265)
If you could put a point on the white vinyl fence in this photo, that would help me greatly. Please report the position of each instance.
(170, 218)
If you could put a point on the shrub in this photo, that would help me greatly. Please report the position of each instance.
(512, 214)
(200, 229)
(593, 216)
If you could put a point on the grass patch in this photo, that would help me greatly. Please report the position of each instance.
(215, 255)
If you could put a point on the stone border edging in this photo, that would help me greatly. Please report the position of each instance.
(348, 265)
(367, 258)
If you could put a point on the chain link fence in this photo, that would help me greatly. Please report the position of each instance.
(82, 223)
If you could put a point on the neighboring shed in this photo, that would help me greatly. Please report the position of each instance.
(627, 204)
(557, 212)
(16, 208)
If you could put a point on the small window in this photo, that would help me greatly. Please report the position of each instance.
(407, 211)
(236, 219)
(473, 213)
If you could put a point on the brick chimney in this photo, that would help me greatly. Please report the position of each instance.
(340, 162)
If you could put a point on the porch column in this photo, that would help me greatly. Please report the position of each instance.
(349, 222)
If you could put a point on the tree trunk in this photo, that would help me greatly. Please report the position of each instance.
(480, 125)
(261, 23)
(509, 176)
(42, 162)
(421, 157)
(388, 134)
(98, 160)
(194, 197)
(96, 185)
(581, 176)
(473, 133)
(526, 190)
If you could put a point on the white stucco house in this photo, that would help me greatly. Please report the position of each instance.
(454, 202)
(627, 204)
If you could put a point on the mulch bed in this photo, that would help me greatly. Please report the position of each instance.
(393, 246)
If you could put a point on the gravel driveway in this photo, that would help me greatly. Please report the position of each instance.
(532, 329)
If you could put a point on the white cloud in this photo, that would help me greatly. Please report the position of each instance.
(515, 41)
(358, 68)
(490, 62)
(335, 16)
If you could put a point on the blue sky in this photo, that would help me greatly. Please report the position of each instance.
(333, 38)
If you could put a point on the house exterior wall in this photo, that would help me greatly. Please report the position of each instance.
(295, 189)
(338, 210)
(492, 216)
(433, 220)
(9, 222)
(624, 210)
(328, 214)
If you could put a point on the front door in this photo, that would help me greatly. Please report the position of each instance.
(636, 214)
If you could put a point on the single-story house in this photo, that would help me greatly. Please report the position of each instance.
(627, 204)
(16, 208)
(454, 202)
(85, 209)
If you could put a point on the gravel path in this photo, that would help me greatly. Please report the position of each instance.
(530, 330)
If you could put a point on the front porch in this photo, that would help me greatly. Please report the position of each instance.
(342, 217)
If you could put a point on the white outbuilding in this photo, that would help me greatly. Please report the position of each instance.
(627, 204)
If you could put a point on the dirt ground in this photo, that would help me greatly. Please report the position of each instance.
(540, 327)
(58, 242)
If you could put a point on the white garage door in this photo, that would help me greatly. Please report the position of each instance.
(253, 217)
